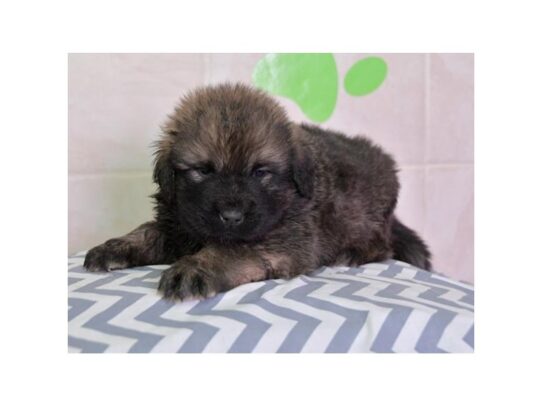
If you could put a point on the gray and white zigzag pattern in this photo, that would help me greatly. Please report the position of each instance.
(379, 307)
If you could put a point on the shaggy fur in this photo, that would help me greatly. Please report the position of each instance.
(245, 195)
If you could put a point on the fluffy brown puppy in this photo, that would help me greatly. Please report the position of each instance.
(245, 195)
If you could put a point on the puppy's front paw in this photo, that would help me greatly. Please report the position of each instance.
(188, 279)
(113, 254)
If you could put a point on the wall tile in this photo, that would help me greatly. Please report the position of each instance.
(411, 204)
(105, 206)
(231, 67)
(393, 115)
(451, 109)
(449, 219)
(117, 103)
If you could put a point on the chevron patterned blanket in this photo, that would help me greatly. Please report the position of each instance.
(380, 307)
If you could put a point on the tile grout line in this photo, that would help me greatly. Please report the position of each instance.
(120, 174)
(138, 173)
(207, 63)
(435, 165)
(427, 101)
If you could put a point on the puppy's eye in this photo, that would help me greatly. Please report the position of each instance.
(203, 170)
(199, 173)
(260, 172)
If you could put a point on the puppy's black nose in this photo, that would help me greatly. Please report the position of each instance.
(231, 217)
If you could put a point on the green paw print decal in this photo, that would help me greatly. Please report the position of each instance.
(312, 80)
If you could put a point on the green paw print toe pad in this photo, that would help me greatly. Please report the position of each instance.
(365, 76)
(312, 80)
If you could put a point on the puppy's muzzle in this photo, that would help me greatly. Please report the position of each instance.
(231, 217)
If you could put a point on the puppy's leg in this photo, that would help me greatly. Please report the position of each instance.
(217, 269)
(144, 245)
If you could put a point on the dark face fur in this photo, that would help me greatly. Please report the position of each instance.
(227, 165)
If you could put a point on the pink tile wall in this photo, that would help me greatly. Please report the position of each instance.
(450, 109)
(117, 103)
(449, 218)
(422, 114)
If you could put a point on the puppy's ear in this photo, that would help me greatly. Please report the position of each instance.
(302, 169)
(164, 173)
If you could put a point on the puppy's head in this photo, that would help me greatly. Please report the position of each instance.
(228, 166)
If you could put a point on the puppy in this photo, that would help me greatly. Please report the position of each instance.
(245, 195)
